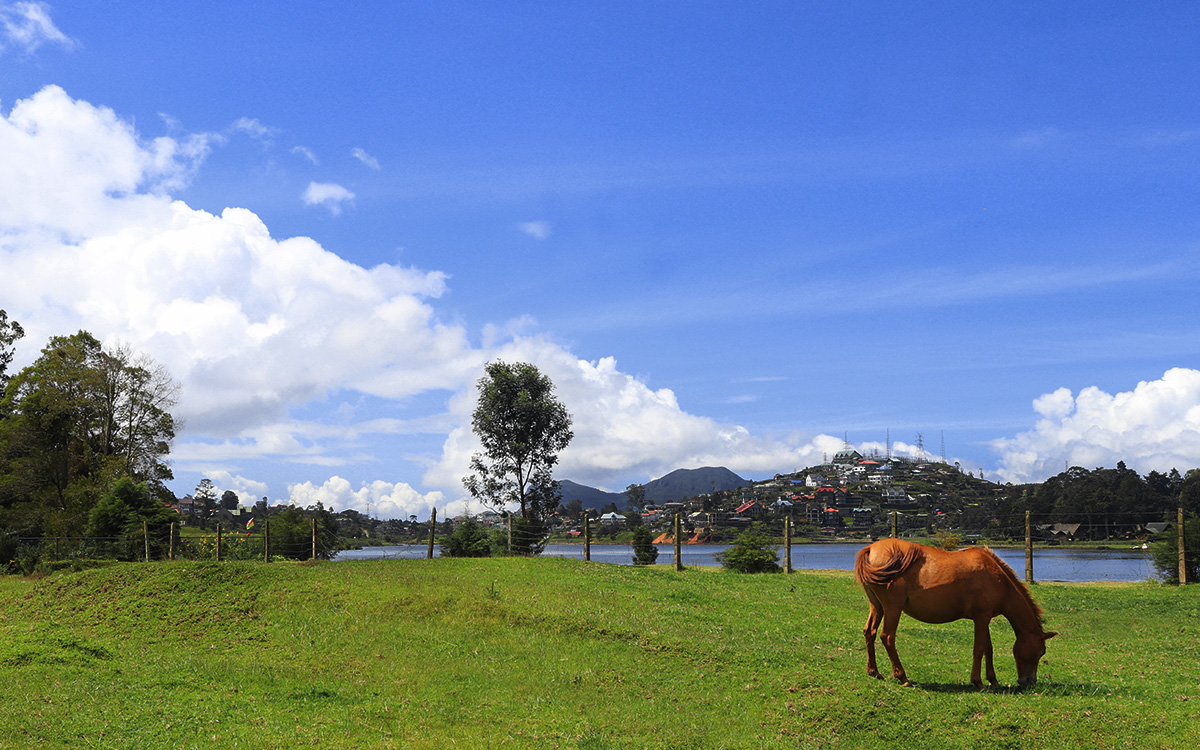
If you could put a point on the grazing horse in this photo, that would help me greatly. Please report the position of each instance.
(937, 586)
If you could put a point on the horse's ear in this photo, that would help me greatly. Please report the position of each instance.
(1048, 636)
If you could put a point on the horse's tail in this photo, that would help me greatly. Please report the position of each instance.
(898, 559)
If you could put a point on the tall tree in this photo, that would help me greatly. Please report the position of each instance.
(523, 427)
(138, 397)
(51, 438)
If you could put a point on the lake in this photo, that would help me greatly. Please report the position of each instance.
(1048, 564)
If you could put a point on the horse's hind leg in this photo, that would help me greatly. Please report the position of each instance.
(891, 620)
(869, 632)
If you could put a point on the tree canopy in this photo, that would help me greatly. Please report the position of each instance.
(72, 423)
(523, 427)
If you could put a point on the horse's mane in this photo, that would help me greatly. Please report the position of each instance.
(1018, 584)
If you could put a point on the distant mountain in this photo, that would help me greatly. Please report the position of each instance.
(683, 483)
(677, 485)
(591, 497)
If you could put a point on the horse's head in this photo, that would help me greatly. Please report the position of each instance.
(1028, 651)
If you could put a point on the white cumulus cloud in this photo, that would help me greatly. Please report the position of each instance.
(1156, 426)
(379, 498)
(248, 491)
(256, 327)
(624, 428)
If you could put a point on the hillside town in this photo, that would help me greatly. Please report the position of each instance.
(848, 496)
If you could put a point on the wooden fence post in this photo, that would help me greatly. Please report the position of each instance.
(587, 537)
(314, 539)
(508, 523)
(218, 542)
(894, 525)
(1182, 558)
(787, 544)
(171, 543)
(678, 543)
(1028, 547)
(146, 538)
(266, 541)
(433, 524)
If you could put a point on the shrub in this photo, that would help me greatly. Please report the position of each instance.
(644, 551)
(468, 539)
(947, 540)
(752, 552)
(8, 551)
(292, 534)
(28, 557)
(1166, 553)
(528, 536)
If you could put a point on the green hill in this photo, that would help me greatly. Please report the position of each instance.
(554, 653)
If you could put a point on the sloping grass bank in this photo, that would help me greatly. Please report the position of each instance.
(559, 653)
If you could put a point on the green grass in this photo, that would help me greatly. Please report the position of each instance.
(558, 653)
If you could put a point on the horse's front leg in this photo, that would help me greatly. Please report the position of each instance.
(983, 649)
(869, 632)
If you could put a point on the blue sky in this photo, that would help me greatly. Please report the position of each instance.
(732, 234)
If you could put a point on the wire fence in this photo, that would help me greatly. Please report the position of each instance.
(49, 553)
(521, 537)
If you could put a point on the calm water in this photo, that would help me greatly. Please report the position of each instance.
(1048, 565)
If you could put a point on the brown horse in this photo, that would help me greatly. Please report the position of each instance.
(936, 586)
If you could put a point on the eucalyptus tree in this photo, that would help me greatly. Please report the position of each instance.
(523, 427)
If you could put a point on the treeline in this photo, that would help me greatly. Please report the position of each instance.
(1106, 503)
(84, 436)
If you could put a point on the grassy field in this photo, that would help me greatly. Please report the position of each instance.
(556, 653)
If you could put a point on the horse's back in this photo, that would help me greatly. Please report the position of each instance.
(968, 583)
